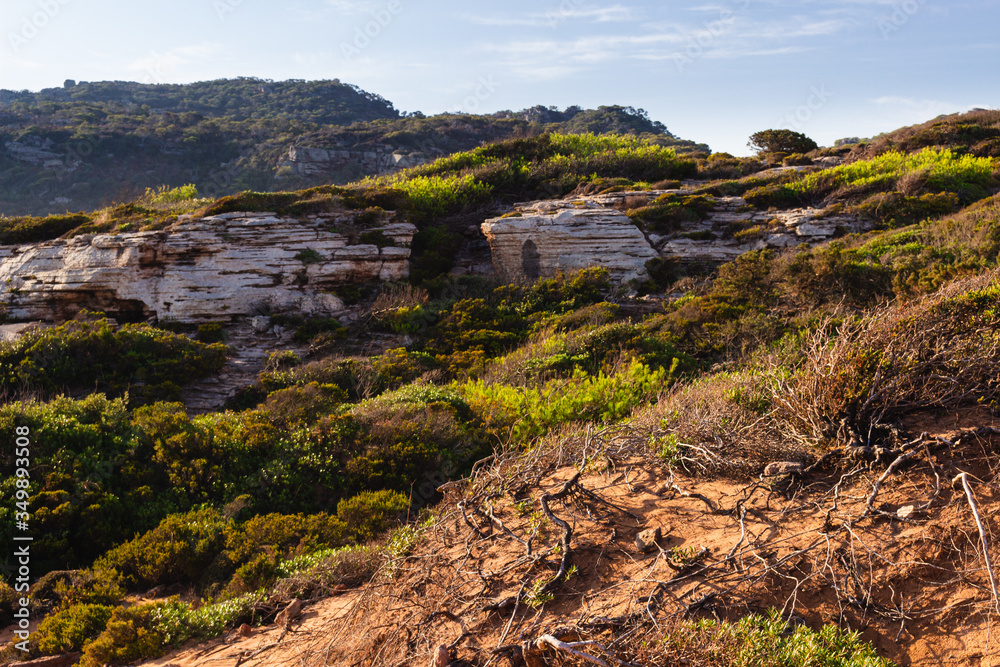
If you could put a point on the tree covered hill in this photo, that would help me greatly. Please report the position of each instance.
(90, 144)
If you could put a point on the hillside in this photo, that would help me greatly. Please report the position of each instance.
(766, 439)
(91, 144)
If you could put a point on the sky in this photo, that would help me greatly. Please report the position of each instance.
(713, 71)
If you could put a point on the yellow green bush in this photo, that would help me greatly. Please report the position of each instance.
(69, 629)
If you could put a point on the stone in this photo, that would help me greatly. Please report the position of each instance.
(260, 324)
(198, 270)
(779, 468)
(245, 630)
(647, 541)
(288, 614)
(560, 237)
(442, 658)
(539, 239)
(907, 512)
(34, 151)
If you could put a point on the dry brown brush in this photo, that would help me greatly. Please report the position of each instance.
(860, 376)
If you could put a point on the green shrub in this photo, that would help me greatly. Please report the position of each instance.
(36, 230)
(933, 170)
(725, 166)
(670, 211)
(167, 195)
(797, 160)
(211, 333)
(62, 588)
(273, 202)
(765, 641)
(177, 622)
(434, 252)
(314, 327)
(8, 597)
(283, 535)
(525, 413)
(309, 256)
(896, 209)
(371, 513)
(69, 629)
(179, 549)
(260, 572)
(304, 404)
(399, 366)
(775, 195)
(149, 363)
(280, 360)
(130, 635)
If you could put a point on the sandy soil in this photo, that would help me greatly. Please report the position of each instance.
(916, 587)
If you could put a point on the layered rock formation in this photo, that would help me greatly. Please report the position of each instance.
(36, 153)
(708, 241)
(197, 270)
(543, 238)
(547, 237)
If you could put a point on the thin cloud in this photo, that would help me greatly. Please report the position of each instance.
(925, 107)
(613, 14)
(346, 7)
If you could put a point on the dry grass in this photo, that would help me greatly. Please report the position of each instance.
(399, 295)
(939, 351)
(971, 228)
(722, 423)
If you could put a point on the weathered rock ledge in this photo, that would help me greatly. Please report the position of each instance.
(553, 236)
(545, 237)
(210, 269)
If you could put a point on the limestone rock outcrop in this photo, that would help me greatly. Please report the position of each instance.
(543, 238)
(707, 241)
(34, 151)
(209, 269)
(552, 236)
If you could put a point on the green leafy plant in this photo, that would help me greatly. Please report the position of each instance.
(781, 141)
(536, 596)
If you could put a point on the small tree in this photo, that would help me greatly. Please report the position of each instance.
(781, 141)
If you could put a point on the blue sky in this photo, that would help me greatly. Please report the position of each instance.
(711, 70)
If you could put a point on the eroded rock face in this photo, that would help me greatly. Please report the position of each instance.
(554, 236)
(704, 242)
(209, 269)
(546, 237)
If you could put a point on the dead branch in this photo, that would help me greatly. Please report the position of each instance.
(964, 477)
(573, 650)
(567, 553)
